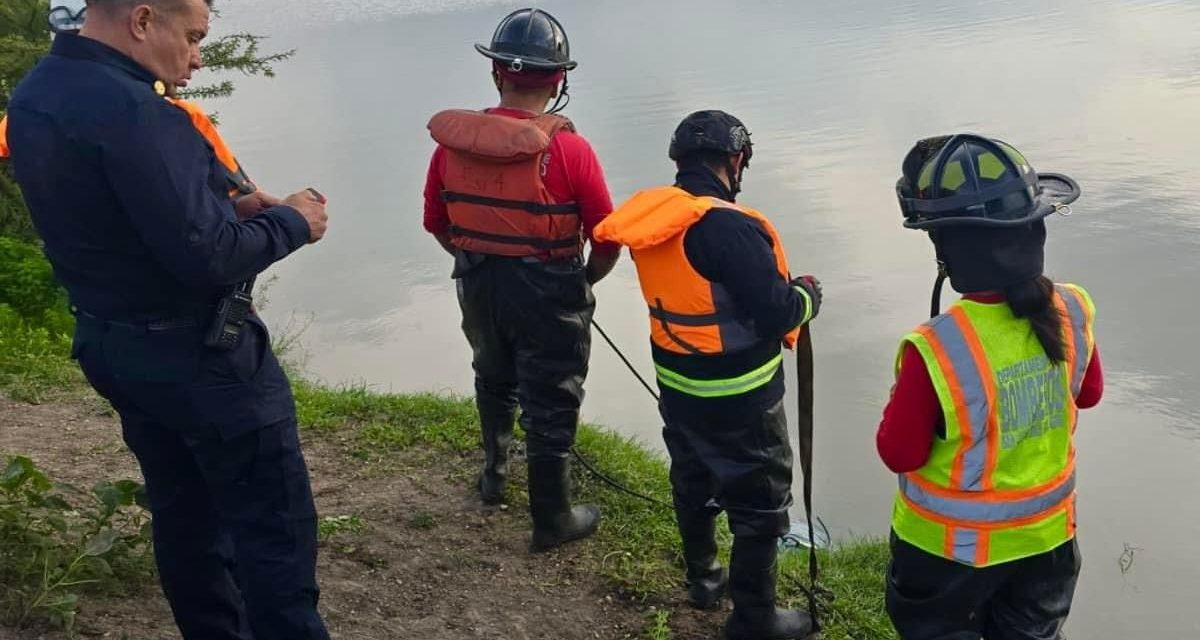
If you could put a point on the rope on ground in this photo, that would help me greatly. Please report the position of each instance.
(615, 484)
(587, 465)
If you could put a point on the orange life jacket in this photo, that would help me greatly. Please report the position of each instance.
(689, 314)
(495, 197)
(235, 176)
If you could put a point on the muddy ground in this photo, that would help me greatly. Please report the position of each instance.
(431, 563)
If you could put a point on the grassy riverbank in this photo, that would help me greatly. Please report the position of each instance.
(636, 549)
(96, 538)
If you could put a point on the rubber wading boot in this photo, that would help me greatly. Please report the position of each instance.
(497, 432)
(706, 578)
(752, 574)
(555, 522)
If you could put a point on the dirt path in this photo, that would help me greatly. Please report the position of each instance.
(430, 563)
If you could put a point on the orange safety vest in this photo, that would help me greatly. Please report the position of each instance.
(235, 177)
(495, 197)
(689, 314)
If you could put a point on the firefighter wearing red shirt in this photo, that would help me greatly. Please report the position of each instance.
(981, 422)
(513, 193)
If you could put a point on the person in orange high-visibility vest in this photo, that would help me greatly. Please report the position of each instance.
(722, 306)
(981, 421)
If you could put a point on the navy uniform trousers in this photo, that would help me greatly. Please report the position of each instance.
(235, 535)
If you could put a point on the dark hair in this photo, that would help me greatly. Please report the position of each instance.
(1034, 299)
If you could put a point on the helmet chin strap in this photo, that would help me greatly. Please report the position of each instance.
(735, 176)
(563, 100)
(735, 179)
(935, 304)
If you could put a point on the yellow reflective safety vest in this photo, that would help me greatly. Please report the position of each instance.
(1001, 485)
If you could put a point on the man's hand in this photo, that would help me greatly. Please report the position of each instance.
(600, 264)
(812, 287)
(312, 208)
(447, 246)
(255, 203)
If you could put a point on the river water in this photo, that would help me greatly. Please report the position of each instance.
(835, 92)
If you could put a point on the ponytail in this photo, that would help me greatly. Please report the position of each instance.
(1034, 299)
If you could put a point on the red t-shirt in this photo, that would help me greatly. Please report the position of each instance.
(572, 174)
(912, 416)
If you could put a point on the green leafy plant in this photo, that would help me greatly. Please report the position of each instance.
(331, 526)
(28, 287)
(55, 549)
(659, 628)
(34, 362)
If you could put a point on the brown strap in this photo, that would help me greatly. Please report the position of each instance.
(804, 424)
(662, 319)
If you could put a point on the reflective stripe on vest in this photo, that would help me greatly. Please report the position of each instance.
(1072, 305)
(689, 314)
(967, 509)
(1001, 484)
(720, 388)
(495, 197)
(972, 395)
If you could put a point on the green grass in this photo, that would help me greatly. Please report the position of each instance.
(330, 526)
(853, 573)
(35, 362)
(659, 628)
(637, 547)
(423, 521)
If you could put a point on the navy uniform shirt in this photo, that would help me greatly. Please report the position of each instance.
(127, 195)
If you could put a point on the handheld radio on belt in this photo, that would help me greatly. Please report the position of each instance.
(232, 311)
(226, 329)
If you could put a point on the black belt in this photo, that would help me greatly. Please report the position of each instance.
(166, 324)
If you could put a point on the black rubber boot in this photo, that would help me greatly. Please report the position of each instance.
(706, 578)
(497, 431)
(555, 522)
(752, 574)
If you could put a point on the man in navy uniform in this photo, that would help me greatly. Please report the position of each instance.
(139, 225)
